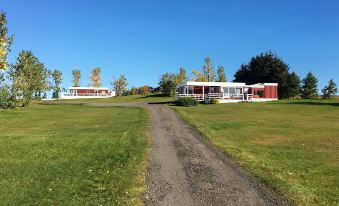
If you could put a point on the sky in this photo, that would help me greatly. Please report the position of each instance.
(143, 39)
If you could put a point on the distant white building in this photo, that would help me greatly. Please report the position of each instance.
(228, 91)
(87, 92)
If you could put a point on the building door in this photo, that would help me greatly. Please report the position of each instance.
(75, 92)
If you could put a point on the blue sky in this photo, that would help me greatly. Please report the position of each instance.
(143, 39)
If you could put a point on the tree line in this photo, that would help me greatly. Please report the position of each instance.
(263, 68)
(28, 79)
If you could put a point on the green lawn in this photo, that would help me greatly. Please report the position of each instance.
(73, 155)
(118, 99)
(291, 145)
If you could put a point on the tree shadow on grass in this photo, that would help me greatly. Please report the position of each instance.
(152, 95)
(335, 104)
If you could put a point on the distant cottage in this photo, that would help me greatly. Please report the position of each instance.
(227, 92)
(87, 92)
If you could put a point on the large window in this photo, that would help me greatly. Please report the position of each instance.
(231, 91)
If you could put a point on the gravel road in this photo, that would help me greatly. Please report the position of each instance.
(185, 169)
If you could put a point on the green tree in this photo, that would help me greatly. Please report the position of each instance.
(182, 75)
(309, 86)
(221, 76)
(265, 68)
(208, 70)
(6, 99)
(76, 73)
(329, 90)
(5, 43)
(168, 83)
(57, 79)
(198, 76)
(293, 85)
(95, 77)
(29, 77)
(120, 85)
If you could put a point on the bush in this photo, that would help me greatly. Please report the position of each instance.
(5, 97)
(187, 102)
(214, 101)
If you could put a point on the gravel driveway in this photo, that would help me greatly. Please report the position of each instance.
(185, 169)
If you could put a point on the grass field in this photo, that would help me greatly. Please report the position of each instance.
(117, 99)
(291, 145)
(73, 155)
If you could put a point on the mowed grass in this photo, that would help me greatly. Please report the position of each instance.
(73, 155)
(291, 145)
(117, 99)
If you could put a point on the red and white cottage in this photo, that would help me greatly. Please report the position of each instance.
(87, 92)
(228, 91)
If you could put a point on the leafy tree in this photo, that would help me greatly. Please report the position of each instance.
(293, 85)
(29, 77)
(57, 79)
(198, 76)
(134, 91)
(266, 67)
(120, 85)
(329, 90)
(6, 97)
(5, 43)
(168, 83)
(76, 73)
(95, 78)
(221, 76)
(145, 89)
(208, 69)
(182, 76)
(309, 86)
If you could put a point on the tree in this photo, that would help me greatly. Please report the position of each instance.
(208, 69)
(168, 83)
(329, 90)
(76, 73)
(221, 74)
(95, 78)
(198, 76)
(182, 76)
(309, 86)
(57, 79)
(265, 68)
(145, 89)
(293, 85)
(134, 91)
(29, 77)
(5, 43)
(6, 99)
(120, 85)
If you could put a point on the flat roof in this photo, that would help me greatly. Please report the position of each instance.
(212, 84)
(225, 84)
(95, 88)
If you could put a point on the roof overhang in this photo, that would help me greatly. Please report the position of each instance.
(212, 84)
(91, 88)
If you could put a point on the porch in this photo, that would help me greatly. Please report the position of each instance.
(206, 93)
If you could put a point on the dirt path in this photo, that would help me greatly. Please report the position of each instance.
(186, 170)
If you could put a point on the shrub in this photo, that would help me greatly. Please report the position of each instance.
(214, 101)
(5, 98)
(187, 102)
